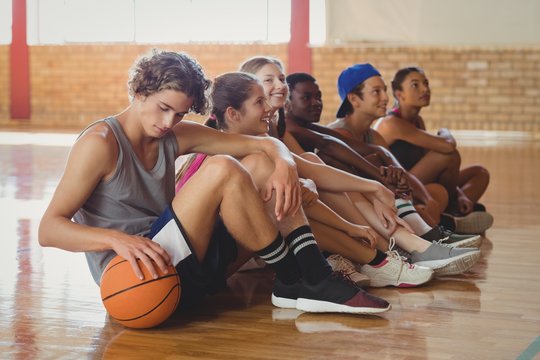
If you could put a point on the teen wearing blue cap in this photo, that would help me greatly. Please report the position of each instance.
(348, 80)
(364, 99)
(303, 113)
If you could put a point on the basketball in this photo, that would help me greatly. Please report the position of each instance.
(139, 303)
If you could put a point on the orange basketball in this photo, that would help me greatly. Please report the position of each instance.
(139, 303)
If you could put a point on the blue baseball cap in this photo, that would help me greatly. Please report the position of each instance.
(350, 78)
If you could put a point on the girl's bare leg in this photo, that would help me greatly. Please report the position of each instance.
(474, 181)
(223, 186)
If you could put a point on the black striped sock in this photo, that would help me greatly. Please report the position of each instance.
(277, 255)
(313, 265)
(379, 258)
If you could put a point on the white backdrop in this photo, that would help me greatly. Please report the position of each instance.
(434, 22)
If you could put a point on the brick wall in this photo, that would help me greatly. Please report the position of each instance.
(74, 85)
(473, 88)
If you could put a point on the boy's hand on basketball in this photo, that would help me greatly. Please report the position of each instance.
(150, 253)
(284, 181)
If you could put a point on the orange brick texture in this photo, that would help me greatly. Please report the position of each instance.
(473, 88)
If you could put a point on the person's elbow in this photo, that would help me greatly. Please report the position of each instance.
(329, 145)
(44, 232)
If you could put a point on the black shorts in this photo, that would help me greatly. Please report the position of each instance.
(197, 279)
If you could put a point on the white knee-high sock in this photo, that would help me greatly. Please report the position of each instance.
(406, 211)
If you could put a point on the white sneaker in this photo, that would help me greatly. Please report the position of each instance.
(339, 263)
(394, 271)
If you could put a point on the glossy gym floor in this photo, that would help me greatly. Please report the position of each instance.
(50, 308)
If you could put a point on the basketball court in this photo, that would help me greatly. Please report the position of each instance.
(50, 308)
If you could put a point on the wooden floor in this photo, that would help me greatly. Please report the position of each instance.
(50, 308)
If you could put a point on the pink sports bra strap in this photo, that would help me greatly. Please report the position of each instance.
(192, 169)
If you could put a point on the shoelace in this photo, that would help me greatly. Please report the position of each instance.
(442, 243)
(394, 254)
(342, 276)
(445, 233)
(344, 264)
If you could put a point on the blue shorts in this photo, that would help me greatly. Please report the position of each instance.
(197, 279)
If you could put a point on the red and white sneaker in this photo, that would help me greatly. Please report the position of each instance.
(334, 294)
(337, 293)
(395, 271)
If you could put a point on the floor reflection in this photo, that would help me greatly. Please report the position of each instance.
(50, 306)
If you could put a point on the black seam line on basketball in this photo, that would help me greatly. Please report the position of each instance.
(149, 311)
(134, 286)
(118, 263)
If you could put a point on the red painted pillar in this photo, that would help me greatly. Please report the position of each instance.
(19, 64)
(299, 50)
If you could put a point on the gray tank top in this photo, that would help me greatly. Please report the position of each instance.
(133, 198)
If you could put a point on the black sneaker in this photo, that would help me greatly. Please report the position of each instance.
(446, 237)
(448, 222)
(456, 240)
(285, 296)
(336, 293)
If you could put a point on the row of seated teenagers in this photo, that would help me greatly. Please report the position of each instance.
(443, 192)
(305, 105)
(117, 197)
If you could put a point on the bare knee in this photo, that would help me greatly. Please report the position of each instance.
(310, 156)
(483, 173)
(446, 160)
(223, 168)
(455, 159)
(259, 166)
(479, 172)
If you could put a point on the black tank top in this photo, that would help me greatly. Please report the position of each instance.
(406, 153)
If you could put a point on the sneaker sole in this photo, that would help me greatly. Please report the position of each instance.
(318, 306)
(475, 223)
(473, 241)
(284, 303)
(383, 283)
(362, 283)
(452, 266)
